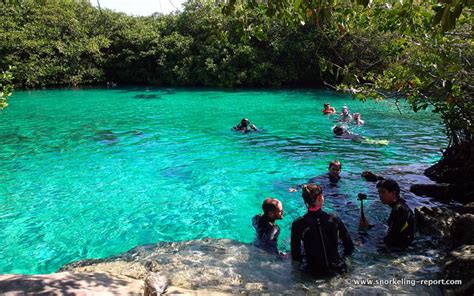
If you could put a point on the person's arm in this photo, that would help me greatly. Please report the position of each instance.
(296, 188)
(398, 222)
(272, 233)
(252, 126)
(316, 180)
(346, 239)
(237, 127)
(357, 138)
(295, 243)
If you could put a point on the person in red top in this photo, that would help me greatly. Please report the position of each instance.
(328, 109)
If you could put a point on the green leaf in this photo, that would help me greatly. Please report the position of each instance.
(297, 4)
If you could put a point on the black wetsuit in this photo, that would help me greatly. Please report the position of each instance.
(401, 225)
(325, 180)
(267, 233)
(321, 255)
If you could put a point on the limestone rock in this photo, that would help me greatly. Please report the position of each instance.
(133, 270)
(442, 192)
(155, 284)
(69, 283)
(460, 266)
(467, 209)
(434, 221)
(462, 230)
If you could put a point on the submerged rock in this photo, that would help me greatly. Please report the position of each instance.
(147, 96)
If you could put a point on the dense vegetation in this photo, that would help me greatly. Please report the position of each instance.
(419, 50)
(71, 43)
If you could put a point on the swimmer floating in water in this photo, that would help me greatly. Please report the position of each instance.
(245, 126)
(341, 132)
(333, 176)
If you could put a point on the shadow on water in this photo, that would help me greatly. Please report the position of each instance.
(147, 96)
(106, 137)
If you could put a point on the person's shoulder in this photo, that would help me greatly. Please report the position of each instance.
(298, 221)
(332, 217)
(256, 220)
(402, 205)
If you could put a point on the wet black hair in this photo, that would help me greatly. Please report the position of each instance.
(389, 185)
(310, 193)
(244, 122)
(338, 130)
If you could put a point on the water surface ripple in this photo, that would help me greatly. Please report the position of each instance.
(91, 173)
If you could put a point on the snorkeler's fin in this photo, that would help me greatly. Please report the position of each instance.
(375, 141)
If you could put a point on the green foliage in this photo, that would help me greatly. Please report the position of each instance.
(425, 63)
(52, 42)
(6, 86)
(55, 42)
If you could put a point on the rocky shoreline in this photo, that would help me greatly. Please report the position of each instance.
(221, 266)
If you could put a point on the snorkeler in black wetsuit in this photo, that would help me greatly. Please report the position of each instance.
(401, 222)
(266, 229)
(319, 232)
(328, 180)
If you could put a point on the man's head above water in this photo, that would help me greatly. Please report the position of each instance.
(335, 168)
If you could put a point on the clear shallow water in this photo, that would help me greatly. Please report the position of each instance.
(91, 173)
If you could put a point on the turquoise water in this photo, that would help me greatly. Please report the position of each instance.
(92, 173)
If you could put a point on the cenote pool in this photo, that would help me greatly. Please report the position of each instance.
(95, 172)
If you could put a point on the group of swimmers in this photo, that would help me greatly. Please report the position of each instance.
(345, 115)
(315, 236)
(342, 131)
